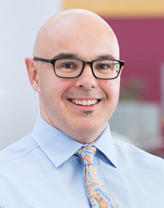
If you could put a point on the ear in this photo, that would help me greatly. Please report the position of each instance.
(121, 70)
(32, 73)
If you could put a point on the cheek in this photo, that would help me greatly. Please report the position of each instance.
(108, 83)
(112, 88)
(52, 85)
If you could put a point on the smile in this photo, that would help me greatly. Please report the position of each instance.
(84, 102)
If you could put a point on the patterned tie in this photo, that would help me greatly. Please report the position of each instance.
(97, 194)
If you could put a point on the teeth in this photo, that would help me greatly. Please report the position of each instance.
(84, 102)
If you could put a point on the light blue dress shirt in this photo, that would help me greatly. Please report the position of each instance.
(42, 171)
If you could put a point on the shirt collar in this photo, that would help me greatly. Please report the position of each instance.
(105, 144)
(59, 147)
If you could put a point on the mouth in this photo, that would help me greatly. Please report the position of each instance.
(85, 102)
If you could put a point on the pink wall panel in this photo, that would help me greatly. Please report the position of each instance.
(142, 48)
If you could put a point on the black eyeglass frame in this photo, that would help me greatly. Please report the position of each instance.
(52, 61)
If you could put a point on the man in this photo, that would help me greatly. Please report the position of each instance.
(76, 72)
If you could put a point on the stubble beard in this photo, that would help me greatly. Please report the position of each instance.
(88, 113)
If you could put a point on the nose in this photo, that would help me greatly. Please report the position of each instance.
(86, 80)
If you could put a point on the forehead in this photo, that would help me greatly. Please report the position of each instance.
(87, 37)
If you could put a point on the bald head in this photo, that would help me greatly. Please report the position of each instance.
(75, 34)
(79, 24)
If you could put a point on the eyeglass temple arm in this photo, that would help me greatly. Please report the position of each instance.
(41, 59)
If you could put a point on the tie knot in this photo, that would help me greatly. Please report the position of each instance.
(87, 155)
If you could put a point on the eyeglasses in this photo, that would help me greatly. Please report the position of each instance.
(72, 68)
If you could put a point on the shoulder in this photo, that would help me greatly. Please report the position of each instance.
(135, 155)
(17, 150)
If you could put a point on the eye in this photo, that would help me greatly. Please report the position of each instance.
(68, 65)
(103, 66)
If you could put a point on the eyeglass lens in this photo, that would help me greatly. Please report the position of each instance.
(73, 67)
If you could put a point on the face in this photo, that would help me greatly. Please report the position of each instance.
(79, 107)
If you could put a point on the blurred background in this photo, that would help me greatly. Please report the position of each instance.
(139, 26)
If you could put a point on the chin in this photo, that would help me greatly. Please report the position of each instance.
(88, 129)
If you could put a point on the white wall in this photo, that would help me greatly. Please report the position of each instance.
(19, 24)
(139, 122)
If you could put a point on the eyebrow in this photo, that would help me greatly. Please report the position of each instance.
(66, 55)
(74, 56)
(105, 56)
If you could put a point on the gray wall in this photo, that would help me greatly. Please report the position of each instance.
(19, 24)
